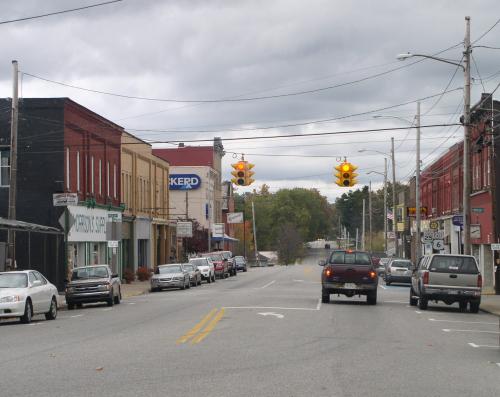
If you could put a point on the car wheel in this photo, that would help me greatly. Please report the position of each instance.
(474, 307)
(325, 296)
(28, 313)
(413, 301)
(79, 305)
(199, 281)
(387, 282)
(422, 303)
(71, 306)
(462, 306)
(117, 298)
(244, 270)
(213, 278)
(111, 300)
(52, 313)
(209, 279)
(371, 298)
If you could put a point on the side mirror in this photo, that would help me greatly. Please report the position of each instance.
(322, 262)
(36, 283)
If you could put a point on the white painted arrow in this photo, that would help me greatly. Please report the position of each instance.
(272, 314)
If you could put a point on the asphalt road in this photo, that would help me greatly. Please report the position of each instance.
(262, 333)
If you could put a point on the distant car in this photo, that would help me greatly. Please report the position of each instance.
(398, 271)
(170, 276)
(220, 265)
(228, 256)
(206, 268)
(240, 263)
(194, 274)
(90, 284)
(447, 278)
(27, 293)
(375, 260)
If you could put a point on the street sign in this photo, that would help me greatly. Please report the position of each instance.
(427, 239)
(438, 245)
(477, 210)
(184, 182)
(218, 230)
(458, 220)
(391, 235)
(235, 217)
(114, 216)
(412, 211)
(64, 199)
(184, 229)
(495, 247)
(112, 244)
(434, 225)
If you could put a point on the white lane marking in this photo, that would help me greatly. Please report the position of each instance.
(267, 285)
(498, 364)
(486, 346)
(381, 286)
(107, 310)
(318, 306)
(395, 301)
(130, 303)
(459, 321)
(270, 308)
(77, 315)
(272, 314)
(469, 330)
(416, 311)
(299, 281)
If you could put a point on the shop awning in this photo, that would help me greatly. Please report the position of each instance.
(21, 226)
(226, 238)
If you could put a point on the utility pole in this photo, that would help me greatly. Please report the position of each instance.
(418, 246)
(466, 165)
(394, 198)
(255, 235)
(357, 236)
(370, 215)
(13, 164)
(363, 227)
(209, 227)
(385, 205)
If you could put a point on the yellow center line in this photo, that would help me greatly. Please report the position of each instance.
(209, 328)
(196, 328)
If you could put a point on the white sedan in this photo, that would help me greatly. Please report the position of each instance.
(26, 293)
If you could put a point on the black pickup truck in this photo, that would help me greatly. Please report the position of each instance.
(349, 273)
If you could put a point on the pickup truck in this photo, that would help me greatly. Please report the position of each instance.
(349, 273)
(91, 284)
(447, 278)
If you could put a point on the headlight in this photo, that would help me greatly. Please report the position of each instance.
(105, 287)
(13, 298)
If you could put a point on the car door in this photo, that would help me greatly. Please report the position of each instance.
(35, 292)
(46, 292)
(422, 266)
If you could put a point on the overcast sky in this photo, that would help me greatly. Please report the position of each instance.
(211, 50)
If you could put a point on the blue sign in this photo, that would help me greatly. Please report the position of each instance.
(184, 182)
(458, 220)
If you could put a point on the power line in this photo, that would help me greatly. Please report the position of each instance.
(59, 12)
(486, 32)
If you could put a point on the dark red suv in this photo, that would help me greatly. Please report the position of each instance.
(220, 265)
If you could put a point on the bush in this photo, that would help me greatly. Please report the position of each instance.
(128, 276)
(143, 273)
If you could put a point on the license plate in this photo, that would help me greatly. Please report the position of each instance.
(350, 286)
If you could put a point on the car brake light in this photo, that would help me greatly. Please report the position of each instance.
(480, 281)
(372, 274)
(426, 278)
(328, 272)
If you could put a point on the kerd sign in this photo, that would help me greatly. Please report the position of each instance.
(184, 182)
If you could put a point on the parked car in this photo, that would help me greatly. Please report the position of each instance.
(447, 278)
(206, 268)
(228, 257)
(349, 273)
(194, 274)
(220, 265)
(240, 263)
(26, 293)
(91, 284)
(170, 276)
(398, 271)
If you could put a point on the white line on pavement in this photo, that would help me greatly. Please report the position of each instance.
(498, 364)
(486, 346)
(381, 286)
(459, 321)
(469, 330)
(130, 303)
(318, 306)
(271, 307)
(416, 311)
(395, 301)
(107, 309)
(299, 281)
(267, 285)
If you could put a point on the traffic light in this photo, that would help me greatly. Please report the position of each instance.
(346, 177)
(242, 173)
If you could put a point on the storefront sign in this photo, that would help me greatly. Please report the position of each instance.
(64, 199)
(184, 229)
(87, 224)
(113, 244)
(235, 217)
(184, 182)
(114, 216)
(475, 231)
(495, 247)
(218, 230)
(412, 211)
(477, 210)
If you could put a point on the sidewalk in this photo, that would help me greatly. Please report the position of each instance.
(490, 304)
(128, 290)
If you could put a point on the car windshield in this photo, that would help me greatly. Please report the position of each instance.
(13, 280)
(198, 262)
(226, 255)
(216, 258)
(89, 272)
(188, 268)
(453, 264)
(169, 269)
(351, 258)
(405, 264)
(239, 260)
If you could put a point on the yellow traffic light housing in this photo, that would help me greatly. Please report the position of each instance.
(242, 173)
(346, 177)
(248, 174)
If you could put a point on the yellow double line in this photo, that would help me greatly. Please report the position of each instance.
(198, 333)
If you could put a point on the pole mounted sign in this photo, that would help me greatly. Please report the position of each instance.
(184, 182)
(235, 217)
(64, 199)
(184, 229)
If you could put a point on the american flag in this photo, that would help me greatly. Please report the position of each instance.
(390, 215)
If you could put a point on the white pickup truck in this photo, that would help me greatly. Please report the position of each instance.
(447, 278)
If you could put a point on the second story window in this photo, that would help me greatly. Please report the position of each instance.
(100, 177)
(92, 174)
(114, 180)
(68, 179)
(4, 167)
(107, 179)
(78, 171)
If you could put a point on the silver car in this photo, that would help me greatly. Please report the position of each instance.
(170, 276)
(26, 293)
(194, 274)
(398, 271)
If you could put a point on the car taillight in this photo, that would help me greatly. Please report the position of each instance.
(480, 281)
(426, 278)
(373, 274)
(328, 272)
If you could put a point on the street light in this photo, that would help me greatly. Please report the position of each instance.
(466, 161)
(384, 174)
(393, 160)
